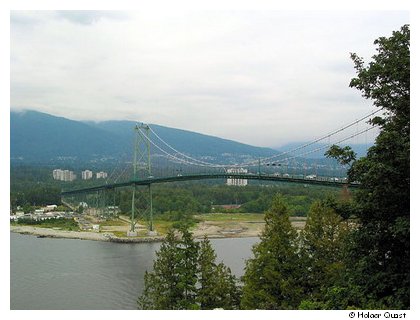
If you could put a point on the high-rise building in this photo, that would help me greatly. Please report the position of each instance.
(63, 175)
(101, 175)
(236, 181)
(87, 174)
(69, 175)
(57, 174)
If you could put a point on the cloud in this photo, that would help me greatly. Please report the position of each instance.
(89, 17)
(264, 78)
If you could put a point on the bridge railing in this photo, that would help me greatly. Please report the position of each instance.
(300, 178)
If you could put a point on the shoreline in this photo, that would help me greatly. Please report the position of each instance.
(109, 237)
(211, 229)
(80, 235)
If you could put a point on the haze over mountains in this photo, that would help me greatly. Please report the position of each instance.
(37, 137)
(360, 149)
(40, 137)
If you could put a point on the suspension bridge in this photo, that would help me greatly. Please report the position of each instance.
(156, 161)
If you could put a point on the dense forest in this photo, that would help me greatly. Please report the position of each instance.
(34, 186)
(335, 262)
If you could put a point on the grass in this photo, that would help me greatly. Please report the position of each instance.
(230, 217)
(298, 218)
(63, 224)
(230, 220)
(119, 234)
(114, 222)
(162, 226)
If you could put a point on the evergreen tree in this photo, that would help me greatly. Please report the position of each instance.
(380, 266)
(323, 244)
(161, 286)
(185, 276)
(218, 288)
(272, 277)
(206, 276)
(188, 251)
(227, 290)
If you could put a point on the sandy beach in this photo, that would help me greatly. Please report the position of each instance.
(82, 235)
(211, 229)
(201, 230)
(53, 233)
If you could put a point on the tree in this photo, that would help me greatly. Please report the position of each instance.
(271, 279)
(185, 276)
(186, 270)
(379, 263)
(206, 279)
(217, 285)
(344, 155)
(161, 286)
(323, 244)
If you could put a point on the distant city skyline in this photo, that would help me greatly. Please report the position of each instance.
(263, 78)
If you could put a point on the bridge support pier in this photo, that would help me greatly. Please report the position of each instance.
(151, 209)
(132, 232)
(151, 231)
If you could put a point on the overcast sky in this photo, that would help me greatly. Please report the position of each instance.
(260, 77)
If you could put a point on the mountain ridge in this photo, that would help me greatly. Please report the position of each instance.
(41, 137)
(44, 138)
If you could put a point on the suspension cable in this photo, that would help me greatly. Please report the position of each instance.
(316, 140)
(327, 145)
(178, 152)
(180, 159)
(255, 162)
(248, 165)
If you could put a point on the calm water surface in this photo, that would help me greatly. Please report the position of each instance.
(81, 274)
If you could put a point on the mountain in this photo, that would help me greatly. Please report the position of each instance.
(360, 149)
(191, 143)
(44, 138)
(39, 137)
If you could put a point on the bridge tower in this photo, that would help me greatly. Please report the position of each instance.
(142, 166)
(142, 169)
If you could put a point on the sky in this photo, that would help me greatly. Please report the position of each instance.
(264, 78)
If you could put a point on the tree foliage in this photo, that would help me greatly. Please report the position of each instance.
(344, 155)
(162, 289)
(323, 248)
(217, 286)
(33, 185)
(379, 261)
(291, 270)
(271, 279)
(186, 276)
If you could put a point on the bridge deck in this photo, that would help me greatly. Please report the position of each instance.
(249, 176)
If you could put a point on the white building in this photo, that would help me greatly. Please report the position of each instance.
(39, 211)
(58, 174)
(83, 205)
(236, 181)
(69, 175)
(50, 207)
(87, 174)
(102, 175)
(63, 175)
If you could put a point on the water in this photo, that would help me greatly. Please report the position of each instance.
(57, 274)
